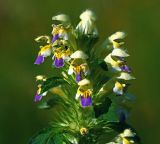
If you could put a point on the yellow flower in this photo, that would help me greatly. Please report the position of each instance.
(60, 55)
(114, 39)
(60, 32)
(79, 67)
(84, 92)
(45, 50)
(118, 88)
(125, 141)
(115, 64)
(127, 133)
(85, 96)
(83, 131)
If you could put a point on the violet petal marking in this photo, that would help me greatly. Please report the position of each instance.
(122, 114)
(39, 60)
(122, 117)
(58, 62)
(78, 77)
(55, 37)
(37, 97)
(85, 102)
(125, 68)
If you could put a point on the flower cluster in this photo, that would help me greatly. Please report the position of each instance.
(91, 89)
(117, 62)
(59, 46)
(126, 137)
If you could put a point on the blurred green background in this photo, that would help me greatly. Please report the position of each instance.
(22, 20)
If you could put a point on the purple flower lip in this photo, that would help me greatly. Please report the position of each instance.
(55, 37)
(85, 102)
(122, 114)
(37, 97)
(39, 60)
(58, 63)
(125, 68)
(122, 117)
(78, 77)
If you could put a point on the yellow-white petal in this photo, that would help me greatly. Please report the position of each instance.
(77, 96)
(125, 141)
(126, 76)
(46, 52)
(119, 52)
(88, 15)
(87, 24)
(87, 27)
(79, 54)
(118, 88)
(70, 70)
(117, 35)
(64, 35)
(45, 93)
(127, 133)
(43, 38)
(108, 59)
(61, 17)
(117, 44)
(40, 77)
(84, 82)
(117, 91)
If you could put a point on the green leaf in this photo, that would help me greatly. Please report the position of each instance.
(102, 107)
(50, 103)
(103, 65)
(105, 90)
(70, 138)
(51, 82)
(100, 63)
(42, 137)
(101, 132)
(112, 113)
(50, 135)
(86, 42)
(59, 139)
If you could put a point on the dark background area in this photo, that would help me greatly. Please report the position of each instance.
(23, 20)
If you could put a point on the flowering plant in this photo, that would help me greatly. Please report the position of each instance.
(90, 89)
